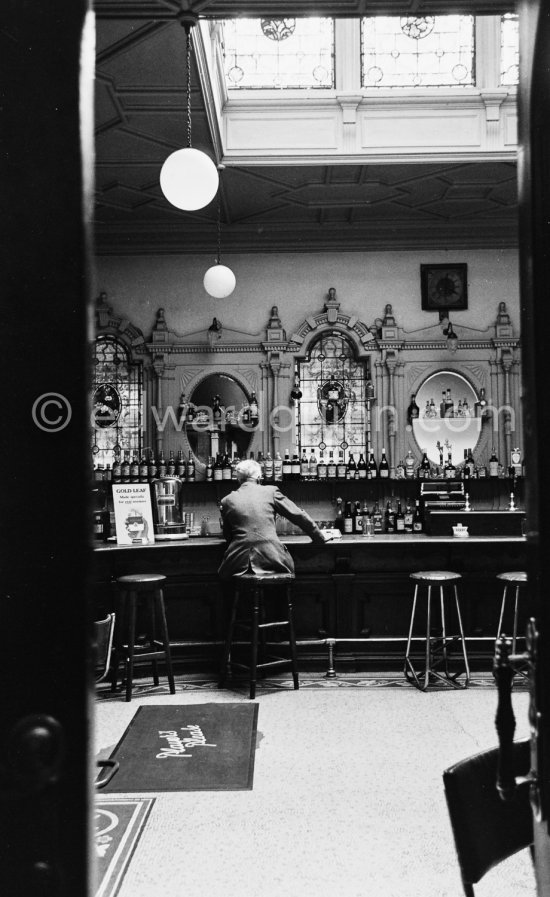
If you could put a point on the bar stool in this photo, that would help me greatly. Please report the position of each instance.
(132, 588)
(515, 580)
(253, 586)
(436, 652)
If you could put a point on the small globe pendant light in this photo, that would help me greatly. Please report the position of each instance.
(189, 178)
(219, 281)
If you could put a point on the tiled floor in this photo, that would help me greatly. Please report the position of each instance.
(347, 798)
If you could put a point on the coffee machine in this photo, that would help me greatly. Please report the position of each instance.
(168, 519)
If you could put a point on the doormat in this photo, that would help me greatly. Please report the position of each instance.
(119, 822)
(193, 747)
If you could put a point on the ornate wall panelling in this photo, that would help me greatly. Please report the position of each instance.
(488, 359)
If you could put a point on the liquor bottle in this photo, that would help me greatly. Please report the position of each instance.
(98, 473)
(287, 466)
(216, 411)
(278, 468)
(254, 413)
(191, 414)
(481, 405)
(433, 412)
(152, 467)
(321, 467)
(331, 466)
(399, 519)
(269, 468)
(234, 463)
(134, 468)
(295, 467)
(171, 466)
(125, 467)
(442, 404)
(161, 464)
(409, 518)
(493, 464)
(413, 411)
(417, 518)
(465, 466)
(190, 477)
(383, 467)
(312, 465)
(377, 519)
(143, 468)
(217, 469)
(471, 463)
(348, 518)
(304, 466)
(409, 465)
(209, 469)
(339, 521)
(449, 404)
(372, 469)
(117, 469)
(181, 467)
(450, 469)
(351, 473)
(389, 518)
(361, 468)
(108, 473)
(358, 518)
(424, 469)
(341, 467)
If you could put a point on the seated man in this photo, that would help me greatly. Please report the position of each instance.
(248, 517)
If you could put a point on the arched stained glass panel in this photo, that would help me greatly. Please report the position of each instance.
(332, 412)
(116, 401)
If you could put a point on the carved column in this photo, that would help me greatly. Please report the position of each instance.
(391, 364)
(159, 368)
(265, 405)
(275, 366)
(506, 361)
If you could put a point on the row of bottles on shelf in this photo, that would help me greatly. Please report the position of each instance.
(130, 468)
(217, 414)
(352, 517)
(448, 407)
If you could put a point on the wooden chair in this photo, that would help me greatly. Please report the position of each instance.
(487, 829)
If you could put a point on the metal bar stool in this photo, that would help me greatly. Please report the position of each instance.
(147, 586)
(436, 650)
(253, 586)
(515, 580)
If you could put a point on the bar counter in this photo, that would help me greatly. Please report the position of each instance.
(354, 592)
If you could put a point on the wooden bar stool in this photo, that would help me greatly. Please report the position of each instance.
(253, 586)
(132, 588)
(436, 650)
(516, 580)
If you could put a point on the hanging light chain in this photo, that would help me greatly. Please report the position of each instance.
(187, 27)
(219, 228)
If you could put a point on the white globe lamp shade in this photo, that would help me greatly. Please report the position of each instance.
(219, 281)
(189, 179)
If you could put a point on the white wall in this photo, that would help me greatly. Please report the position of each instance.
(298, 283)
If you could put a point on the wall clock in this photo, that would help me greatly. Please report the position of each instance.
(444, 287)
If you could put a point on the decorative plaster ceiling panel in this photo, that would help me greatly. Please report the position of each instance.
(140, 119)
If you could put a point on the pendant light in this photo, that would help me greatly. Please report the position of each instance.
(189, 178)
(219, 281)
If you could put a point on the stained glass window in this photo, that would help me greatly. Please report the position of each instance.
(331, 413)
(116, 401)
(417, 51)
(278, 53)
(509, 49)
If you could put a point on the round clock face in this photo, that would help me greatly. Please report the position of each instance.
(445, 287)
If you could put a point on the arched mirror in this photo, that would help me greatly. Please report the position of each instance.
(448, 418)
(223, 417)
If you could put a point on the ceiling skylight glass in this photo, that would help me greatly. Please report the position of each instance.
(417, 51)
(278, 53)
(509, 49)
